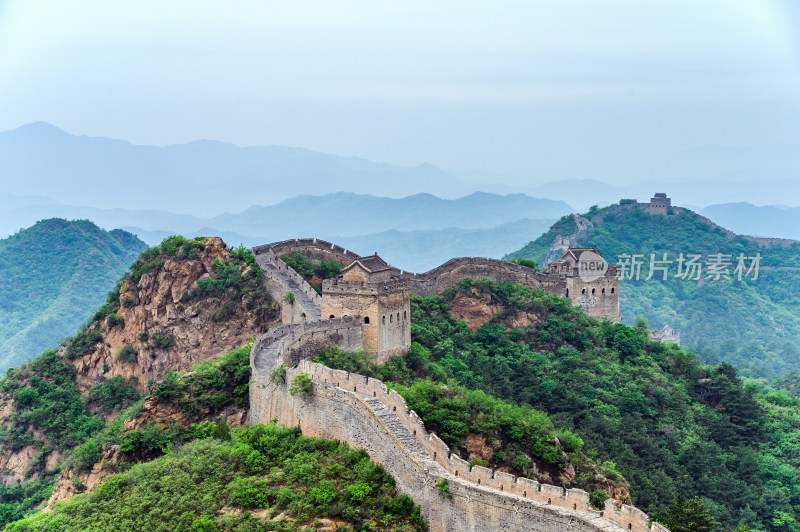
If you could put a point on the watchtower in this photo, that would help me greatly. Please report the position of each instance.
(589, 281)
(660, 203)
(370, 288)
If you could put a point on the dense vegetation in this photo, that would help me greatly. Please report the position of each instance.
(521, 439)
(313, 270)
(52, 277)
(751, 324)
(46, 397)
(225, 481)
(670, 425)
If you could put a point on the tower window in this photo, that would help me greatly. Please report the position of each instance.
(391, 318)
(384, 320)
(592, 291)
(332, 316)
(612, 290)
(366, 320)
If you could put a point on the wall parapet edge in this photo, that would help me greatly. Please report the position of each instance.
(628, 517)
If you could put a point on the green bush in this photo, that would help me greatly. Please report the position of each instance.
(128, 353)
(114, 393)
(278, 375)
(114, 320)
(162, 340)
(262, 467)
(444, 488)
(301, 384)
(85, 456)
(82, 343)
(598, 499)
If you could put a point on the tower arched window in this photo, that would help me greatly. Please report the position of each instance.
(366, 320)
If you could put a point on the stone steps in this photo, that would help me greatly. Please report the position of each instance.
(397, 428)
(311, 308)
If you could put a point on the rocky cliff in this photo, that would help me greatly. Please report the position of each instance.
(181, 303)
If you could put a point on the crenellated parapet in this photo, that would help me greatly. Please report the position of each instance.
(293, 342)
(366, 414)
(599, 297)
(458, 470)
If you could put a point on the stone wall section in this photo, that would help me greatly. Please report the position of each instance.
(280, 279)
(293, 342)
(365, 414)
(435, 281)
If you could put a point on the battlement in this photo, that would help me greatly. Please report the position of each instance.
(365, 413)
(364, 277)
(342, 285)
(629, 517)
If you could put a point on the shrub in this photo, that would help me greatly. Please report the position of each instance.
(571, 442)
(85, 456)
(520, 462)
(598, 499)
(301, 384)
(278, 375)
(115, 319)
(128, 353)
(82, 343)
(528, 263)
(114, 393)
(444, 488)
(162, 340)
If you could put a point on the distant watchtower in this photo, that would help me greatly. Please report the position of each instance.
(369, 287)
(660, 203)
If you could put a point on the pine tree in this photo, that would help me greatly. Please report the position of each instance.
(689, 516)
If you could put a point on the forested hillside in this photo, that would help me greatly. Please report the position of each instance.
(750, 323)
(53, 276)
(648, 411)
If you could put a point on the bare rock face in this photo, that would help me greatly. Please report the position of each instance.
(474, 308)
(477, 309)
(164, 331)
(161, 330)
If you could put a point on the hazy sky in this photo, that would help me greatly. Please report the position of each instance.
(505, 87)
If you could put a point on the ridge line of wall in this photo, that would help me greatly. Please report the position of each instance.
(440, 453)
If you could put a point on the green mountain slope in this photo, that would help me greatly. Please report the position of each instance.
(52, 277)
(648, 410)
(752, 324)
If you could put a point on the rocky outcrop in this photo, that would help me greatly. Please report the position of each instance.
(155, 316)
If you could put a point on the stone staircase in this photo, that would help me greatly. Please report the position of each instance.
(398, 430)
(304, 295)
(312, 309)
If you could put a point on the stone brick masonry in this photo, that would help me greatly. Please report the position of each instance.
(362, 412)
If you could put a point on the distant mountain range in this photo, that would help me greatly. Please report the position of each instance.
(201, 176)
(775, 221)
(479, 224)
(53, 276)
(205, 178)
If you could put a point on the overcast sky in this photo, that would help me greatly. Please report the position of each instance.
(507, 87)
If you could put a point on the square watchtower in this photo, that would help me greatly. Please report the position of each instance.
(370, 288)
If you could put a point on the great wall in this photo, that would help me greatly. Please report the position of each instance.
(362, 412)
